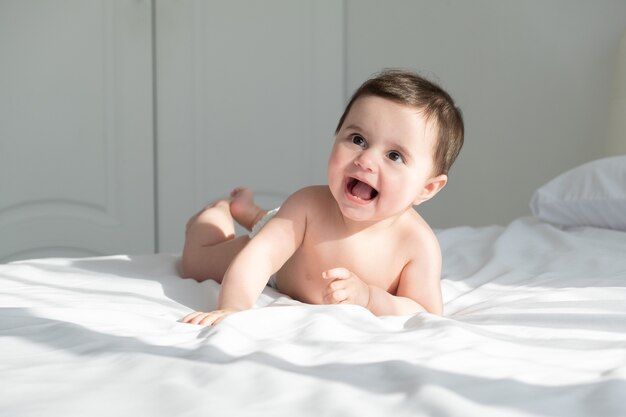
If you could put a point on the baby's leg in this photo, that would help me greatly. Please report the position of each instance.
(210, 243)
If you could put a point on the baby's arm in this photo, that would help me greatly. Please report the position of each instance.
(419, 288)
(247, 275)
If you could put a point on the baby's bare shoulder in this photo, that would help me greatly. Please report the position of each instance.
(307, 202)
(313, 191)
(310, 198)
(418, 234)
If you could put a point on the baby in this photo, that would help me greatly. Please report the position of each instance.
(358, 239)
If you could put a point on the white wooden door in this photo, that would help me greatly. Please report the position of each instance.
(249, 93)
(76, 144)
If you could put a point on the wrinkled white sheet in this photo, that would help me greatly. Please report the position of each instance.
(535, 325)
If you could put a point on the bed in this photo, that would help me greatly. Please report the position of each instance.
(534, 325)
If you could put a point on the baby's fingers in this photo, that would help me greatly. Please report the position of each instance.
(337, 273)
(202, 318)
(335, 296)
(190, 317)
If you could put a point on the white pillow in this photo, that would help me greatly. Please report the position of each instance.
(593, 194)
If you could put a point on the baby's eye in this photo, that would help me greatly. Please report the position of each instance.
(395, 156)
(358, 140)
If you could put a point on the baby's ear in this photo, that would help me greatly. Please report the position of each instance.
(432, 187)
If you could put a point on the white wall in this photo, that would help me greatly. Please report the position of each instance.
(76, 137)
(533, 79)
(248, 94)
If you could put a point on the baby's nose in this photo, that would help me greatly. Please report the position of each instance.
(366, 161)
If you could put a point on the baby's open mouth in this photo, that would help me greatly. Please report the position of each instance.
(361, 190)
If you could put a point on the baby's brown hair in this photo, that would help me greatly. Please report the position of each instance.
(410, 89)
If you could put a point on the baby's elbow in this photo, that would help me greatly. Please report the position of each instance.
(189, 269)
(436, 309)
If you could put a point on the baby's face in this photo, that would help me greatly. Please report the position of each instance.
(382, 159)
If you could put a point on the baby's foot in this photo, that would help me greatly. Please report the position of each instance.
(243, 209)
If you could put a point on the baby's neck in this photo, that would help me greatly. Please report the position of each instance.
(374, 226)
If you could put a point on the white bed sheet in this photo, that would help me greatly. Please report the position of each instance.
(535, 325)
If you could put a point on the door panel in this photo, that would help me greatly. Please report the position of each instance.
(248, 94)
(76, 144)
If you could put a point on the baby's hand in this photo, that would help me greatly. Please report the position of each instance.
(345, 288)
(210, 318)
